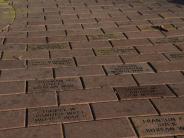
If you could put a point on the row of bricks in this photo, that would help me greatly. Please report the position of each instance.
(66, 67)
(106, 110)
(91, 129)
(107, 95)
(93, 81)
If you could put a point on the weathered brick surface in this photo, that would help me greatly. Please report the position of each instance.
(91, 69)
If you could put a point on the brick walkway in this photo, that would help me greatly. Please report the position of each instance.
(92, 69)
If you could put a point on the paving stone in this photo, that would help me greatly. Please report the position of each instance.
(106, 81)
(128, 69)
(64, 114)
(71, 53)
(33, 132)
(115, 51)
(170, 105)
(51, 63)
(18, 55)
(100, 60)
(109, 110)
(168, 66)
(12, 119)
(163, 48)
(12, 87)
(130, 42)
(175, 56)
(178, 89)
(143, 58)
(159, 126)
(25, 74)
(100, 129)
(78, 71)
(90, 44)
(20, 101)
(87, 96)
(143, 92)
(54, 85)
(159, 78)
(13, 47)
(50, 46)
(115, 36)
(168, 40)
(12, 64)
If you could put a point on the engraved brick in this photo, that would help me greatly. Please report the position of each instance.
(106, 81)
(49, 46)
(12, 87)
(25, 74)
(71, 53)
(79, 71)
(159, 78)
(168, 40)
(142, 35)
(18, 55)
(128, 69)
(12, 64)
(33, 132)
(101, 60)
(100, 129)
(115, 51)
(115, 36)
(109, 110)
(143, 92)
(170, 105)
(87, 96)
(143, 58)
(19, 101)
(64, 114)
(54, 85)
(159, 126)
(12, 119)
(52, 63)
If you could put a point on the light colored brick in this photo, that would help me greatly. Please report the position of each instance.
(170, 105)
(18, 55)
(71, 53)
(79, 71)
(109, 110)
(19, 101)
(34, 132)
(108, 81)
(159, 78)
(100, 129)
(98, 60)
(12, 119)
(87, 96)
(25, 74)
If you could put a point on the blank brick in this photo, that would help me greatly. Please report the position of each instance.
(25, 74)
(79, 71)
(98, 60)
(159, 78)
(87, 96)
(100, 129)
(14, 87)
(106, 81)
(170, 105)
(143, 58)
(71, 53)
(12, 64)
(12, 119)
(109, 110)
(33, 132)
(18, 101)
(18, 55)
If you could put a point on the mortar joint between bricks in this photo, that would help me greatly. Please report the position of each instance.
(154, 106)
(134, 127)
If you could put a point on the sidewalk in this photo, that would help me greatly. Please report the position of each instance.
(92, 69)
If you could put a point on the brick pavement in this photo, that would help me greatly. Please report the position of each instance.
(92, 69)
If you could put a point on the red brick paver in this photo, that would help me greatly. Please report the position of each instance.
(92, 69)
